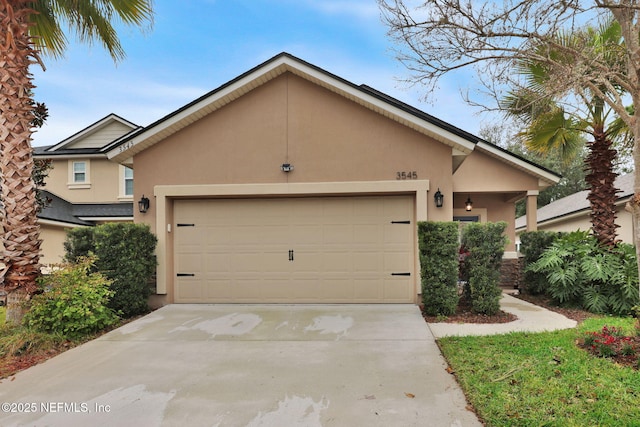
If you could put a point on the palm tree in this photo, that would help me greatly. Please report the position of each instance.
(29, 28)
(551, 127)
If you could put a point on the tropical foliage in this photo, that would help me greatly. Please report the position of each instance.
(584, 273)
(550, 126)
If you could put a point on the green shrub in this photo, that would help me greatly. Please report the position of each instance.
(438, 242)
(485, 244)
(125, 254)
(533, 245)
(73, 302)
(78, 244)
(597, 278)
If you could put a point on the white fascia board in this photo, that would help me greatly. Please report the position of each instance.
(269, 71)
(106, 218)
(58, 223)
(68, 156)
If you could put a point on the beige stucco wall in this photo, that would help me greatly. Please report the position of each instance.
(480, 174)
(52, 247)
(104, 178)
(290, 120)
(483, 173)
(238, 150)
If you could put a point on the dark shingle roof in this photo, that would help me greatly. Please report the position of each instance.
(61, 210)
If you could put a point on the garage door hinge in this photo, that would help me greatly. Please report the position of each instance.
(401, 274)
(185, 225)
(400, 222)
(185, 274)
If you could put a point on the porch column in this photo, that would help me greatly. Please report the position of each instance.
(532, 210)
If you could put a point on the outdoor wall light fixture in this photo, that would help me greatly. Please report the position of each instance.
(468, 204)
(439, 198)
(286, 167)
(143, 204)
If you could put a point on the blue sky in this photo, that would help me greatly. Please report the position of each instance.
(197, 45)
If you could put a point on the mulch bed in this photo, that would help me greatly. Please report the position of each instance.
(628, 360)
(576, 314)
(464, 314)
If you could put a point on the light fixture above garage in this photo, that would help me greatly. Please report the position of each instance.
(143, 204)
(439, 198)
(468, 205)
(286, 167)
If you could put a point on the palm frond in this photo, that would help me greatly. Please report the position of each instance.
(90, 20)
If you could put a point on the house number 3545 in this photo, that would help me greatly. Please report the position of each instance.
(407, 175)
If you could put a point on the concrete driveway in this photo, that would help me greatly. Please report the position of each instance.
(247, 365)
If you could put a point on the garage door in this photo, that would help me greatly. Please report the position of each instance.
(295, 250)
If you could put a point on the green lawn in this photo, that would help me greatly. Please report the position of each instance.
(3, 312)
(535, 379)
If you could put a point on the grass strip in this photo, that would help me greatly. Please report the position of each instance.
(544, 379)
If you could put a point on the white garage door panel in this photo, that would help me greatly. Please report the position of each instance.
(345, 250)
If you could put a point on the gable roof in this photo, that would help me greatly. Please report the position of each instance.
(462, 142)
(65, 146)
(577, 203)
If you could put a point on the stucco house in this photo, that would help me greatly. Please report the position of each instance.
(573, 212)
(84, 187)
(289, 184)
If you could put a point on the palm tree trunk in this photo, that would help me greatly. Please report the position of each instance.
(20, 228)
(602, 194)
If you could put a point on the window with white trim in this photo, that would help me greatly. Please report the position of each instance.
(128, 181)
(125, 183)
(79, 172)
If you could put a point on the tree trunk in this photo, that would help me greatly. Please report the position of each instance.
(16, 300)
(20, 228)
(602, 192)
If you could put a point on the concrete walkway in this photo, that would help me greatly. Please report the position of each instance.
(531, 318)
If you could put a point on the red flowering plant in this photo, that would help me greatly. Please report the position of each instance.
(609, 342)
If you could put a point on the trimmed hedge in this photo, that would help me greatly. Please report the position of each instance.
(438, 243)
(125, 255)
(485, 244)
(533, 245)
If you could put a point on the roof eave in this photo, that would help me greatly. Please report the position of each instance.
(262, 74)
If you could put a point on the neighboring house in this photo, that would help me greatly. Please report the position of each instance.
(84, 187)
(573, 212)
(289, 184)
